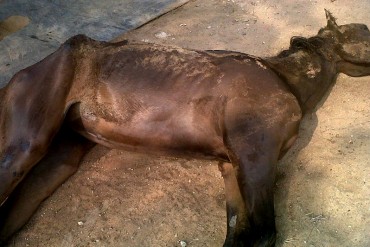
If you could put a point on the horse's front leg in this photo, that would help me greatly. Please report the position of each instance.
(253, 150)
(252, 223)
(235, 207)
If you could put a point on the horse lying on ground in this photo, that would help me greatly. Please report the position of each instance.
(220, 105)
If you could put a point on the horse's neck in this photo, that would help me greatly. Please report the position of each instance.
(308, 75)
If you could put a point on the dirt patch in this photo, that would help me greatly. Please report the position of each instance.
(322, 192)
(12, 24)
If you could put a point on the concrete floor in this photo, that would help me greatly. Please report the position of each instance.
(51, 22)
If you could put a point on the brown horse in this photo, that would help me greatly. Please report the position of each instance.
(220, 105)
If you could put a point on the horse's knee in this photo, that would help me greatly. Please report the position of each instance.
(33, 148)
(23, 150)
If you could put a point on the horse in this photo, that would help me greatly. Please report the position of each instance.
(241, 110)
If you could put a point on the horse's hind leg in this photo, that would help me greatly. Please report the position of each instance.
(58, 165)
(32, 110)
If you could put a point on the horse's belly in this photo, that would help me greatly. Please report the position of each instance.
(149, 131)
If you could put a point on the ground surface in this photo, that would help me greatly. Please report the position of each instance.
(323, 188)
(42, 25)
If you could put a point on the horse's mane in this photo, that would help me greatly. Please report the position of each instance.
(297, 43)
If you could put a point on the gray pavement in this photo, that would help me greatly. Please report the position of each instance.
(54, 21)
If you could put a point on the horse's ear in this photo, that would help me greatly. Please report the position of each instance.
(331, 20)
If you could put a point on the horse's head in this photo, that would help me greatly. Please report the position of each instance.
(351, 46)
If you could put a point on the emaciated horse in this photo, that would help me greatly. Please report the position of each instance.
(222, 105)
